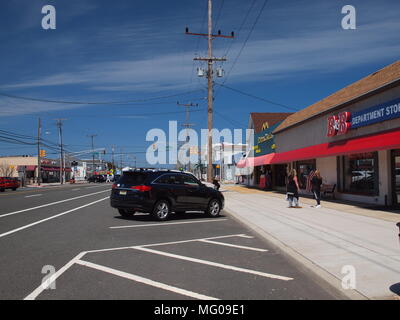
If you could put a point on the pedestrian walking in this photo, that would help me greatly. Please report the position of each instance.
(292, 189)
(316, 183)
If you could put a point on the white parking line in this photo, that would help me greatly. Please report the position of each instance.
(76, 189)
(214, 264)
(77, 260)
(145, 281)
(52, 203)
(50, 218)
(166, 223)
(34, 294)
(34, 195)
(233, 245)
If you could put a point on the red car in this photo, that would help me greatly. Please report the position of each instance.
(8, 183)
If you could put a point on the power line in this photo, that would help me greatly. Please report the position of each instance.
(241, 26)
(246, 40)
(256, 97)
(94, 103)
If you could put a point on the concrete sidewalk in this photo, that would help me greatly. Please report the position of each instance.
(328, 239)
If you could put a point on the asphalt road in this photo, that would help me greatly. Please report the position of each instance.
(97, 254)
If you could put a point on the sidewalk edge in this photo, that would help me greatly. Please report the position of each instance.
(326, 278)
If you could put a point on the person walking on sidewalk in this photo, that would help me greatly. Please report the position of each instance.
(292, 189)
(316, 183)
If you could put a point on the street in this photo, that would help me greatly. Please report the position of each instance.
(97, 254)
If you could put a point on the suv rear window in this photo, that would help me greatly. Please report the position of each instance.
(132, 179)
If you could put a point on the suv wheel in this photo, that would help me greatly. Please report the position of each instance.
(126, 213)
(214, 208)
(161, 210)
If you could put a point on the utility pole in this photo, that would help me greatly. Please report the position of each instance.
(210, 61)
(62, 170)
(187, 125)
(92, 136)
(112, 155)
(39, 170)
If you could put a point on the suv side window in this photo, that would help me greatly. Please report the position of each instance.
(189, 181)
(169, 179)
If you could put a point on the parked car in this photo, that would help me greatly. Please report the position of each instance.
(97, 178)
(9, 183)
(163, 192)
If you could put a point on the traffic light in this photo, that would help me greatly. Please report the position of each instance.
(42, 153)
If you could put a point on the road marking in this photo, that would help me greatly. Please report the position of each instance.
(33, 295)
(145, 280)
(166, 223)
(76, 189)
(51, 204)
(34, 195)
(50, 218)
(165, 243)
(213, 264)
(233, 245)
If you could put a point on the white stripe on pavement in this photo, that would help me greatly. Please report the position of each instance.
(50, 218)
(51, 204)
(33, 295)
(233, 245)
(145, 281)
(214, 264)
(166, 224)
(34, 195)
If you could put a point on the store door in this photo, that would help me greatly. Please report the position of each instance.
(396, 176)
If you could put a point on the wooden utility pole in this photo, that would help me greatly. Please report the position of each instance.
(210, 61)
(62, 170)
(39, 178)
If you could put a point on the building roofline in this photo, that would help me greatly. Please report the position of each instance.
(343, 104)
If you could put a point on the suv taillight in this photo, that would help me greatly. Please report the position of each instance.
(114, 186)
(141, 188)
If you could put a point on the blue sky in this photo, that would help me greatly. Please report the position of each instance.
(123, 50)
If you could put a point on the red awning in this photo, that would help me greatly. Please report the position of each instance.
(30, 168)
(382, 141)
(56, 169)
(256, 161)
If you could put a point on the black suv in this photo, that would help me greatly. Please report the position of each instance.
(161, 192)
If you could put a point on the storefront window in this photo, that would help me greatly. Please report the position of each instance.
(303, 170)
(361, 173)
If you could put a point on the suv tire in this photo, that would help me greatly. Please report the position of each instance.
(213, 208)
(126, 213)
(161, 210)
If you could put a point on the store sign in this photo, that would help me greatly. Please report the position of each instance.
(387, 111)
(339, 124)
(264, 141)
(343, 122)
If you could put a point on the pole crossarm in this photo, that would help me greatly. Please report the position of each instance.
(212, 35)
(209, 59)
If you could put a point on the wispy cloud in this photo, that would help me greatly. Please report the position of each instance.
(317, 52)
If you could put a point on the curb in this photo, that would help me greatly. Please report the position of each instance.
(326, 279)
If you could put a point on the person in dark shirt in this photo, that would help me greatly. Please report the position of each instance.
(316, 183)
